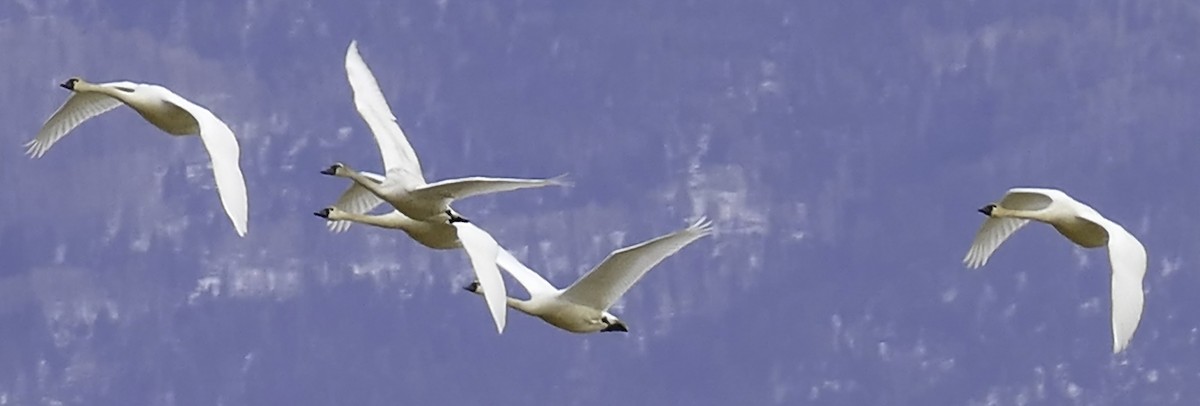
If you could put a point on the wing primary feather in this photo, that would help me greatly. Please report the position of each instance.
(1127, 257)
(356, 199)
(78, 108)
(224, 152)
(398, 155)
(608, 281)
(483, 251)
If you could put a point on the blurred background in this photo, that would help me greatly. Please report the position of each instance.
(840, 147)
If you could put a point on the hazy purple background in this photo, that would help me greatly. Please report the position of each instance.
(840, 147)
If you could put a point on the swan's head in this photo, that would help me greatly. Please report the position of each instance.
(474, 287)
(987, 210)
(612, 323)
(338, 169)
(70, 83)
(325, 213)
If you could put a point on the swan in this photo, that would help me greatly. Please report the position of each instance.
(164, 109)
(432, 234)
(583, 307)
(403, 185)
(1085, 227)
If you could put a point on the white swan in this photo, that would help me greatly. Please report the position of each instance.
(432, 234)
(404, 186)
(583, 307)
(1082, 225)
(167, 111)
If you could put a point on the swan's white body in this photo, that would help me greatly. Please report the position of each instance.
(404, 186)
(1082, 225)
(169, 112)
(583, 307)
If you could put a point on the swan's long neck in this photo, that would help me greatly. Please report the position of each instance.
(85, 87)
(391, 220)
(1038, 215)
(518, 304)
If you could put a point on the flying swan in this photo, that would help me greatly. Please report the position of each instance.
(583, 307)
(166, 110)
(403, 185)
(1082, 225)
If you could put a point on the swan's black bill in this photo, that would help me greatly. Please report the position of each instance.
(618, 326)
(323, 213)
(69, 84)
(473, 287)
(454, 218)
(987, 210)
(332, 170)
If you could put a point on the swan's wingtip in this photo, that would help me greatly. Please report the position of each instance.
(34, 149)
(337, 227)
(971, 263)
(353, 58)
(239, 224)
(1120, 345)
(563, 180)
(702, 225)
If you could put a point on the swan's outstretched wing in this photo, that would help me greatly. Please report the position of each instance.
(991, 234)
(399, 158)
(534, 284)
(483, 250)
(78, 108)
(1128, 258)
(356, 199)
(601, 287)
(453, 189)
(223, 150)
(995, 231)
